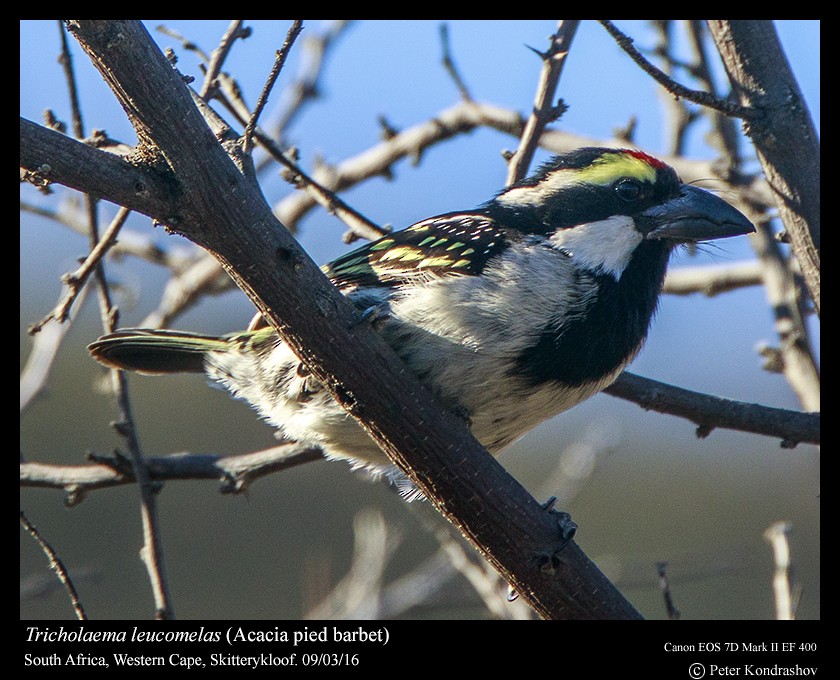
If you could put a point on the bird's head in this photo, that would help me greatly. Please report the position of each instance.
(600, 204)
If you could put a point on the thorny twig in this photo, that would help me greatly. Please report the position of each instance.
(56, 565)
(234, 32)
(675, 88)
(234, 472)
(282, 53)
(75, 281)
(545, 111)
(314, 49)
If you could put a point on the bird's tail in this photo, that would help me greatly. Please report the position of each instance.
(156, 352)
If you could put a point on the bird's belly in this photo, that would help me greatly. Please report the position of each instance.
(507, 418)
(498, 409)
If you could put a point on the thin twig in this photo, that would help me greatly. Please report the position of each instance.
(280, 59)
(235, 473)
(64, 214)
(152, 551)
(141, 245)
(75, 281)
(679, 115)
(777, 536)
(183, 290)
(544, 111)
(713, 279)
(314, 50)
(665, 587)
(56, 565)
(233, 33)
(66, 61)
(675, 88)
(449, 64)
(186, 43)
(359, 225)
(725, 135)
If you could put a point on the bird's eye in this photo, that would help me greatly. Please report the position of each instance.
(628, 190)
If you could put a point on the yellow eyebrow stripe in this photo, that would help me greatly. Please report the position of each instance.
(612, 166)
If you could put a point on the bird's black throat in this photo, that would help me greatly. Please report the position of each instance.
(608, 334)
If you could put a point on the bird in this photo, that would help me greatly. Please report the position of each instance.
(511, 312)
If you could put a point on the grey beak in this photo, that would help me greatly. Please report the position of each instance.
(694, 215)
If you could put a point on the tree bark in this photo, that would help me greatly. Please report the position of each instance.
(782, 131)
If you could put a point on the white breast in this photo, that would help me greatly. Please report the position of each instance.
(461, 335)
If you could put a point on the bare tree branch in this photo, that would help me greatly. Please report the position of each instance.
(670, 608)
(360, 226)
(282, 53)
(315, 47)
(709, 412)
(179, 176)
(47, 154)
(56, 565)
(725, 134)
(75, 281)
(235, 473)
(134, 243)
(187, 288)
(794, 357)
(152, 551)
(449, 64)
(677, 113)
(545, 111)
(350, 169)
(777, 536)
(782, 131)
(467, 116)
(713, 279)
(234, 32)
(697, 96)
(39, 363)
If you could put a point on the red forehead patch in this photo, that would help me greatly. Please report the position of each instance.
(650, 160)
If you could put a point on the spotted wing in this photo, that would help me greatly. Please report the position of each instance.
(451, 244)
